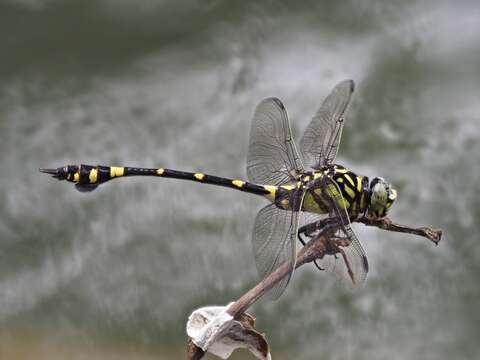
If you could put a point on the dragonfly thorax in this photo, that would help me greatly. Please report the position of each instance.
(354, 191)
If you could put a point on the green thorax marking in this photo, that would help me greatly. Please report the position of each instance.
(352, 188)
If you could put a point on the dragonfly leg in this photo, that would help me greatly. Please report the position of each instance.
(299, 235)
(304, 243)
(307, 230)
(318, 266)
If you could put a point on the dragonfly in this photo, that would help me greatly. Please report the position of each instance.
(305, 188)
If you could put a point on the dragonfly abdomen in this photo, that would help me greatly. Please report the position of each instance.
(88, 177)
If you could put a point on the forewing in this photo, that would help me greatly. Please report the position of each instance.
(319, 144)
(272, 155)
(274, 243)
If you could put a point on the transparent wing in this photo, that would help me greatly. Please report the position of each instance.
(357, 264)
(306, 218)
(350, 265)
(319, 144)
(272, 155)
(274, 242)
(307, 229)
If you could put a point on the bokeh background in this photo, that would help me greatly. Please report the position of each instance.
(114, 274)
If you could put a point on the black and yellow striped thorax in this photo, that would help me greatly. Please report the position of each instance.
(353, 188)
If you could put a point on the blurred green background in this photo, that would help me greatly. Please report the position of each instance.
(114, 274)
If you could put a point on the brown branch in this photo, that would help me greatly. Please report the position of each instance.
(434, 235)
(313, 250)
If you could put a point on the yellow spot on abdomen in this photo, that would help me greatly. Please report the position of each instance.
(116, 171)
(76, 177)
(93, 176)
(160, 171)
(238, 183)
(199, 176)
(272, 190)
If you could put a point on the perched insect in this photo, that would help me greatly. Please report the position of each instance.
(303, 187)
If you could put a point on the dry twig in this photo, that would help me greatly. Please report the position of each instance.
(433, 235)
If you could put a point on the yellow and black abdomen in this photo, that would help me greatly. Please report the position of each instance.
(88, 177)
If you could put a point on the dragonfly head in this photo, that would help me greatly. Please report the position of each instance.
(382, 196)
